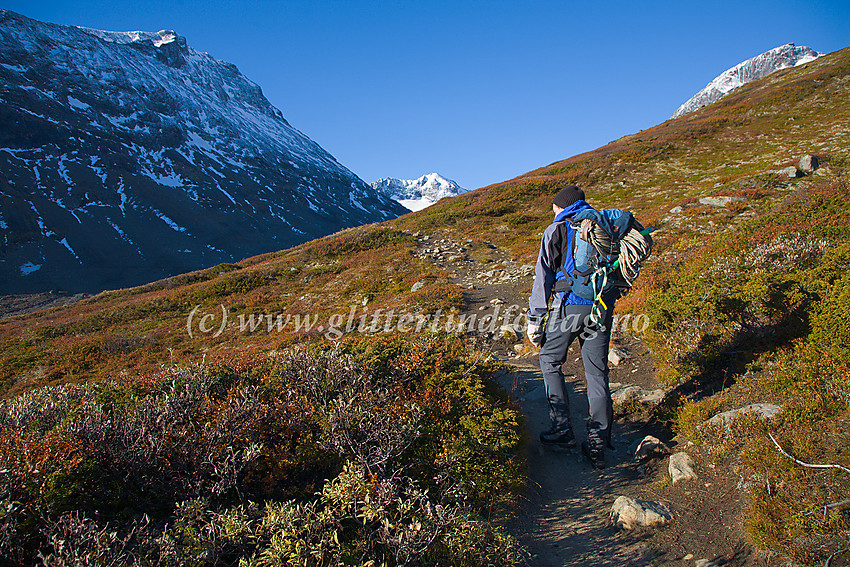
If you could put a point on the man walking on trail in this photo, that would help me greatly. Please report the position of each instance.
(570, 318)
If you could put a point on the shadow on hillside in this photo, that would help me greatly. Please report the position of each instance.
(720, 368)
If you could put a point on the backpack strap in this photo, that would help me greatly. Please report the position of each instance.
(562, 251)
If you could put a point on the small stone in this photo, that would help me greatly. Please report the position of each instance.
(808, 164)
(652, 397)
(719, 201)
(681, 468)
(688, 557)
(650, 446)
(676, 210)
(626, 394)
(704, 563)
(416, 287)
(763, 411)
(483, 308)
(618, 355)
(791, 172)
(510, 332)
(629, 513)
(496, 301)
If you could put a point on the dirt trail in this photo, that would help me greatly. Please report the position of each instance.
(565, 520)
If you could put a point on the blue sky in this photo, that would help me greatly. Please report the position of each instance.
(478, 91)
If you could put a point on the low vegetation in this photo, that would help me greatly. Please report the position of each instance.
(358, 455)
(761, 314)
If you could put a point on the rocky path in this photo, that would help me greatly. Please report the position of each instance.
(566, 518)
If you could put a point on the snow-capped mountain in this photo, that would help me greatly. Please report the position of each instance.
(760, 66)
(126, 157)
(416, 194)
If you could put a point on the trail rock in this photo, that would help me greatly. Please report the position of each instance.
(650, 446)
(808, 164)
(626, 394)
(790, 171)
(629, 513)
(510, 332)
(681, 467)
(618, 355)
(719, 201)
(632, 393)
(764, 411)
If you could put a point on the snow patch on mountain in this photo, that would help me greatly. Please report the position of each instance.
(757, 67)
(416, 194)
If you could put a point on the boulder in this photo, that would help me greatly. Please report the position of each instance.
(681, 467)
(417, 286)
(808, 164)
(763, 411)
(618, 355)
(650, 446)
(629, 513)
(791, 172)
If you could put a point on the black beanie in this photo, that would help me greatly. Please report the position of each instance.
(567, 196)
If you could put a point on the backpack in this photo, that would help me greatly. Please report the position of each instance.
(608, 249)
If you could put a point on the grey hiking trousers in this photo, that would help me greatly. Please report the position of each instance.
(565, 324)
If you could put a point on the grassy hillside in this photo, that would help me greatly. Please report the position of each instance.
(748, 297)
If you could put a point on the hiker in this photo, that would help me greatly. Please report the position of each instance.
(570, 318)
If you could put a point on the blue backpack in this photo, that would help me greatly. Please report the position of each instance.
(608, 249)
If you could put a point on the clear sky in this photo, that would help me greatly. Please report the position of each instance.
(477, 91)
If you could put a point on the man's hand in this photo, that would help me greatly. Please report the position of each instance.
(535, 334)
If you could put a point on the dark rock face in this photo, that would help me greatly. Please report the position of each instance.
(128, 157)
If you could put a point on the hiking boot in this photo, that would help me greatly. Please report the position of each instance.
(594, 450)
(560, 437)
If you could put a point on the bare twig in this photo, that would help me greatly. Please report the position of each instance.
(801, 463)
(839, 552)
(827, 507)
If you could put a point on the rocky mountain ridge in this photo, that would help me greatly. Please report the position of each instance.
(783, 57)
(129, 156)
(416, 194)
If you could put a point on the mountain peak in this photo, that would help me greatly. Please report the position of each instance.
(130, 156)
(416, 194)
(782, 57)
